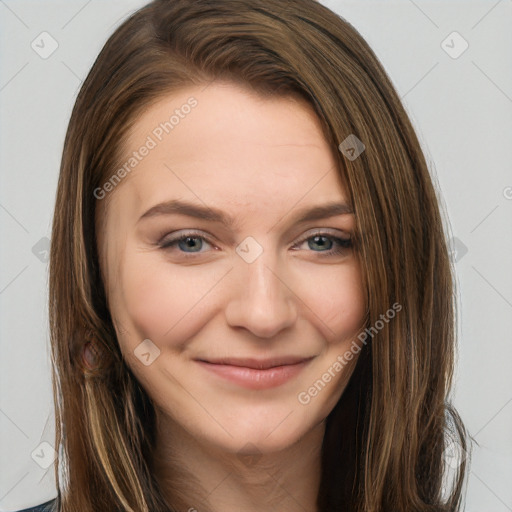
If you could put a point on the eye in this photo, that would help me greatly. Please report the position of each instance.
(189, 243)
(328, 244)
(323, 243)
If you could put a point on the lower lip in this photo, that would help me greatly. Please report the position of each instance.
(252, 378)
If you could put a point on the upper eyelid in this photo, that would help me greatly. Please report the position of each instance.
(323, 231)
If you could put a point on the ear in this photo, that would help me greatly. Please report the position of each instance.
(90, 355)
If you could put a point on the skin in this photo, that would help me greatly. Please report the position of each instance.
(259, 160)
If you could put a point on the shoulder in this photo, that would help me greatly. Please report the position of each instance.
(44, 507)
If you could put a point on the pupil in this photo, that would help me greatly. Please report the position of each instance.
(317, 238)
(189, 242)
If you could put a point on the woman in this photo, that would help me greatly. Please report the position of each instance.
(251, 300)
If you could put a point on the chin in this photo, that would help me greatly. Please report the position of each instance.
(265, 430)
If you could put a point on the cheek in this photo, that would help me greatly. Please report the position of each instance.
(336, 300)
(162, 301)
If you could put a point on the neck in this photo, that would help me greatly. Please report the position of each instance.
(198, 477)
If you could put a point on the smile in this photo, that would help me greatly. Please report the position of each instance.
(256, 374)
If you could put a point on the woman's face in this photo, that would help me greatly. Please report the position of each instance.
(200, 321)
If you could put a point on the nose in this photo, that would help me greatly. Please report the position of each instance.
(261, 300)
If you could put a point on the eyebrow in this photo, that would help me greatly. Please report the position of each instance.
(211, 214)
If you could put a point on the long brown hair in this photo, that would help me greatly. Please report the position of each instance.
(384, 440)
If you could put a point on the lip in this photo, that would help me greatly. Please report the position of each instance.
(256, 373)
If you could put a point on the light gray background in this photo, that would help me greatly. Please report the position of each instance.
(461, 109)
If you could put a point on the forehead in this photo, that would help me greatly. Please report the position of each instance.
(226, 146)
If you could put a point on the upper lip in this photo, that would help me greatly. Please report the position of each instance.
(258, 364)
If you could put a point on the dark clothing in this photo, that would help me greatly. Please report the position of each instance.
(45, 507)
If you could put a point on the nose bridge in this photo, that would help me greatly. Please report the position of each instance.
(262, 302)
(261, 282)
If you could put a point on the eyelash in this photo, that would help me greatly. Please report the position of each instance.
(343, 244)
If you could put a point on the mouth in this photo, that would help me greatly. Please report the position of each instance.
(256, 373)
